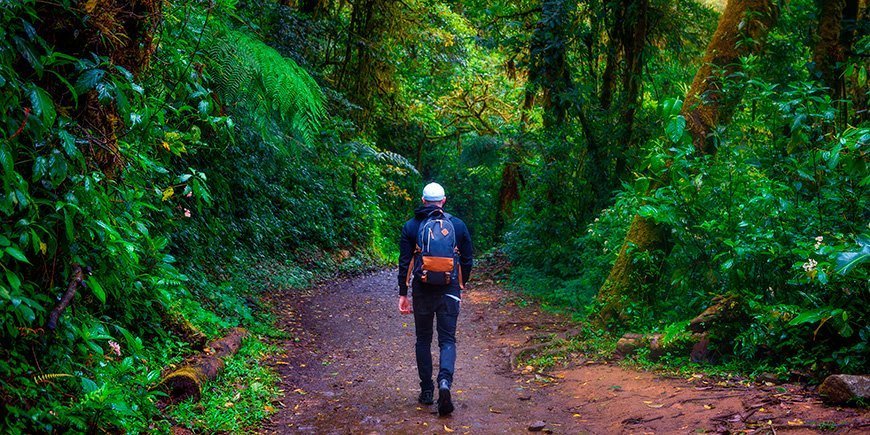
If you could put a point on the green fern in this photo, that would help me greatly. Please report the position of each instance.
(253, 77)
(364, 151)
(50, 376)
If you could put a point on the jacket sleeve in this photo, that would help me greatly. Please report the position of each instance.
(406, 250)
(466, 250)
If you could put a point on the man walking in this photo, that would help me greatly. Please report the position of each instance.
(435, 259)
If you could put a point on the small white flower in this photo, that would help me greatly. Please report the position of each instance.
(819, 242)
(810, 265)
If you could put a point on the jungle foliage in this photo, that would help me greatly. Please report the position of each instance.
(191, 154)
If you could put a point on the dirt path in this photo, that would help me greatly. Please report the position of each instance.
(349, 368)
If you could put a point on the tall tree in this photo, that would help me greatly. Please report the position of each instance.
(741, 30)
(548, 64)
(364, 72)
(549, 72)
(632, 39)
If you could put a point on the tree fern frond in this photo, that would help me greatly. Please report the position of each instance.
(364, 151)
(264, 85)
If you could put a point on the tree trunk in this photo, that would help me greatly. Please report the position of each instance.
(741, 29)
(548, 58)
(633, 41)
(363, 74)
(828, 52)
(509, 189)
(608, 77)
(187, 381)
(836, 31)
(508, 193)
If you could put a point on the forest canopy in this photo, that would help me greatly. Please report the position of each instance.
(636, 162)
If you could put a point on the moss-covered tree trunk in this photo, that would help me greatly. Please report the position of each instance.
(742, 27)
(122, 31)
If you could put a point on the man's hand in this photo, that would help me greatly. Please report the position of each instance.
(405, 305)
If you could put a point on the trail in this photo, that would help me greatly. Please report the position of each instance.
(349, 368)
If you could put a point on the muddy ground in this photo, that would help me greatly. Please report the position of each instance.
(349, 368)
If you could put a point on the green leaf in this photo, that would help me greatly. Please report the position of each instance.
(675, 128)
(89, 80)
(42, 105)
(671, 107)
(25, 48)
(16, 253)
(40, 168)
(811, 316)
(823, 277)
(6, 160)
(57, 167)
(88, 386)
(97, 289)
(847, 261)
(13, 279)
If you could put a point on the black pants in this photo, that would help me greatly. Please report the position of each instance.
(428, 307)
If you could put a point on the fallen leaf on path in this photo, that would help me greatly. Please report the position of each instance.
(657, 405)
(709, 406)
(447, 429)
(494, 411)
(300, 391)
(795, 422)
(269, 408)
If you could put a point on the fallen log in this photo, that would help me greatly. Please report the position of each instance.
(187, 381)
(178, 324)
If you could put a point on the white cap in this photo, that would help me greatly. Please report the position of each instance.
(433, 192)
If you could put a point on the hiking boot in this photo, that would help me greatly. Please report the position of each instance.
(445, 405)
(426, 397)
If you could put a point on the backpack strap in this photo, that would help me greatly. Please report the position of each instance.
(410, 276)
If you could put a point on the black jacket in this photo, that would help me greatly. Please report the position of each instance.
(408, 241)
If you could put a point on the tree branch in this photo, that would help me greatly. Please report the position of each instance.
(76, 280)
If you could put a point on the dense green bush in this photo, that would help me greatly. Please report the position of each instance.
(229, 184)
